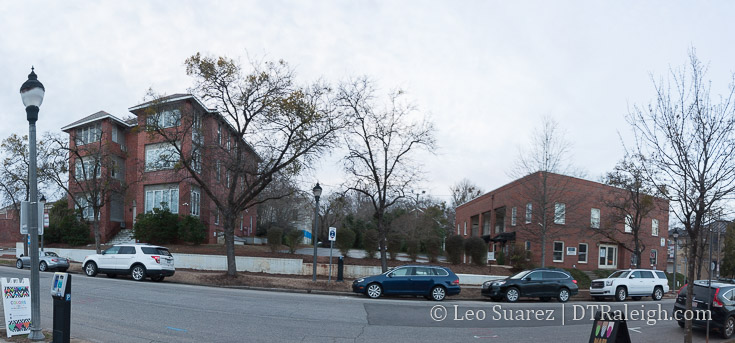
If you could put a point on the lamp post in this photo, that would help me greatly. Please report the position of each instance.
(676, 246)
(32, 92)
(317, 193)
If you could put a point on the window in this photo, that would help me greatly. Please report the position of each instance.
(465, 228)
(440, 272)
(219, 134)
(661, 275)
(402, 271)
(196, 195)
(645, 274)
(196, 159)
(529, 213)
(160, 156)
(595, 218)
(582, 257)
(196, 130)
(528, 245)
(558, 251)
(513, 213)
(86, 169)
(654, 227)
(126, 251)
(88, 134)
(654, 257)
(118, 168)
(458, 231)
(162, 197)
(164, 119)
(534, 276)
(118, 135)
(111, 251)
(554, 276)
(86, 207)
(628, 223)
(117, 208)
(216, 218)
(218, 170)
(560, 213)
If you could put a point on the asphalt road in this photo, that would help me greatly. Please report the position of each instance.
(122, 310)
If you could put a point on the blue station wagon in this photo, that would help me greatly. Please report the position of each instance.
(431, 282)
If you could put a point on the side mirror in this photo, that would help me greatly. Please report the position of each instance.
(390, 274)
(632, 277)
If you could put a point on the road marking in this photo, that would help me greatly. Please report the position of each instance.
(635, 329)
(493, 336)
(176, 329)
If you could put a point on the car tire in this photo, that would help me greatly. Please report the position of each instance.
(438, 293)
(512, 294)
(728, 327)
(111, 275)
(564, 295)
(19, 264)
(90, 269)
(545, 299)
(138, 272)
(43, 266)
(157, 278)
(636, 298)
(621, 293)
(374, 291)
(658, 293)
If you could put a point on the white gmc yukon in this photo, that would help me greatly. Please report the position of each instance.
(635, 283)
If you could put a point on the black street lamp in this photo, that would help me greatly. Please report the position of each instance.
(314, 237)
(32, 93)
(676, 246)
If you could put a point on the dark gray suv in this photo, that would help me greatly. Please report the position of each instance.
(544, 283)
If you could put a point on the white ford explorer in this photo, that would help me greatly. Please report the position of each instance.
(137, 260)
(635, 283)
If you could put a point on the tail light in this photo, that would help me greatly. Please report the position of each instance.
(455, 282)
(715, 301)
(54, 260)
(574, 281)
(157, 258)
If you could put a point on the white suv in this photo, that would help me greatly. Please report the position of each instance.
(138, 260)
(635, 283)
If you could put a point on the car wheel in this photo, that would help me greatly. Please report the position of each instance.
(374, 290)
(90, 269)
(157, 278)
(563, 295)
(636, 298)
(43, 266)
(620, 294)
(512, 294)
(545, 299)
(728, 328)
(19, 264)
(438, 293)
(138, 272)
(658, 293)
(111, 275)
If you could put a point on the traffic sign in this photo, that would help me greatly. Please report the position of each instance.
(332, 234)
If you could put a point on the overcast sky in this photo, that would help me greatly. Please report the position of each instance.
(486, 72)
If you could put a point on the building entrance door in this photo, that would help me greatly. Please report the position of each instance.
(608, 258)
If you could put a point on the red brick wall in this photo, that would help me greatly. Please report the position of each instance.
(10, 227)
(580, 196)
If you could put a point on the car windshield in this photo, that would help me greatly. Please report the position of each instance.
(53, 254)
(520, 275)
(619, 274)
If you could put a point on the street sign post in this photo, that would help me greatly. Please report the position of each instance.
(25, 211)
(332, 238)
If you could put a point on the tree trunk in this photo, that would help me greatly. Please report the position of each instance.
(691, 261)
(383, 246)
(229, 231)
(543, 249)
(97, 234)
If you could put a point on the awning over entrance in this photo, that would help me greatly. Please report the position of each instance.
(501, 237)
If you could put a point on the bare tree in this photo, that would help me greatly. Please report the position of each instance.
(464, 191)
(630, 206)
(276, 127)
(382, 143)
(547, 195)
(689, 143)
(14, 169)
(87, 170)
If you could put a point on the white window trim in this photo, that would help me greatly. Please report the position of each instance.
(586, 253)
(465, 228)
(553, 251)
(513, 215)
(195, 200)
(172, 203)
(154, 163)
(628, 227)
(529, 213)
(654, 225)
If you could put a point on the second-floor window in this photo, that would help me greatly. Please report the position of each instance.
(560, 213)
(595, 218)
(86, 169)
(654, 227)
(529, 213)
(160, 156)
(513, 214)
(88, 134)
(196, 197)
(628, 223)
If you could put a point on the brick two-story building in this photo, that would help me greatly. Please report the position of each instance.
(584, 230)
(129, 159)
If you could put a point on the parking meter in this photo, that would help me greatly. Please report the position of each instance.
(61, 292)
